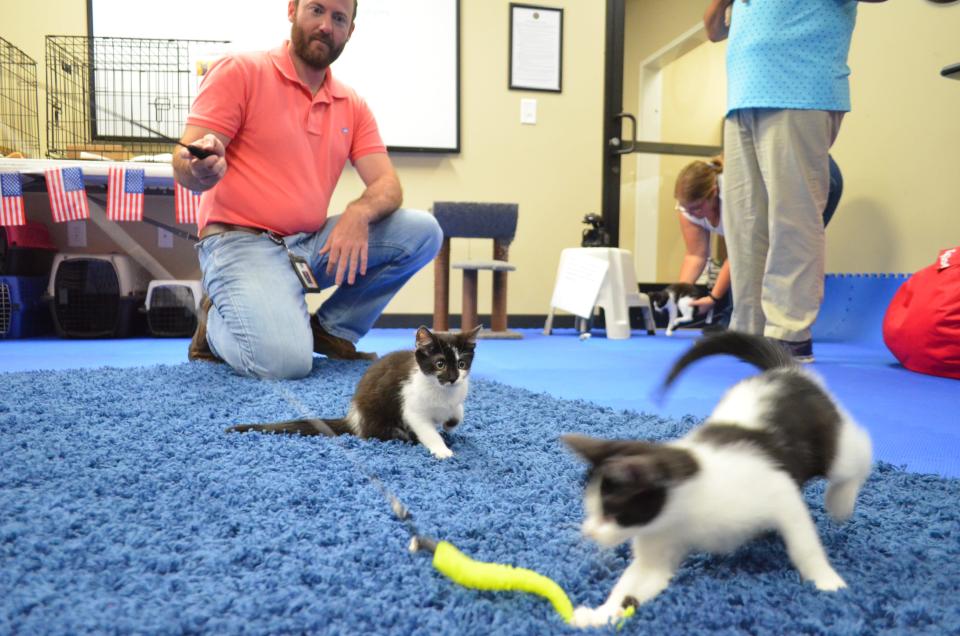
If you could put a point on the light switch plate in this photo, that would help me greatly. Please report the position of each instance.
(164, 238)
(528, 111)
(77, 233)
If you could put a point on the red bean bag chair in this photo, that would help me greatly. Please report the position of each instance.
(922, 324)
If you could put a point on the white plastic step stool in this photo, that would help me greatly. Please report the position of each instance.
(590, 277)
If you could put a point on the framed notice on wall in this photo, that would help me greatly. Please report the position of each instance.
(536, 48)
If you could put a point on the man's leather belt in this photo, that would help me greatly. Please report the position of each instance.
(219, 228)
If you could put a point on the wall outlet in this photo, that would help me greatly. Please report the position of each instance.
(77, 233)
(528, 111)
(164, 238)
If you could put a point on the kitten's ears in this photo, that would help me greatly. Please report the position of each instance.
(586, 447)
(596, 450)
(661, 469)
(641, 464)
(637, 470)
(424, 337)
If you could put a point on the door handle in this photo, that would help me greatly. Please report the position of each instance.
(617, 145)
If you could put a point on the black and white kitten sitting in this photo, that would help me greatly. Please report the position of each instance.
(737, 475)
(675, 299)
(406, 395)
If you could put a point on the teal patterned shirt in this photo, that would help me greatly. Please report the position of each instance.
(790, 54)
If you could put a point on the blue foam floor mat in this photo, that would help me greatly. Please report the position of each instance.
(913, 418)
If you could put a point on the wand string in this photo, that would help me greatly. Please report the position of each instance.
(453, 563)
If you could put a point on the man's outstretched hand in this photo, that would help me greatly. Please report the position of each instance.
(346, 247)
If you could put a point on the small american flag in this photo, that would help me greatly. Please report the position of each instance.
(11, 187)
(68, 198)
(187, 203)
(125, 194)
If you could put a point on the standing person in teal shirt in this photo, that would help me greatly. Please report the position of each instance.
(787, 92)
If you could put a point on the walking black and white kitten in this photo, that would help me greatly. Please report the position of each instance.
(738, 474)
(675, 299)
(406, 395)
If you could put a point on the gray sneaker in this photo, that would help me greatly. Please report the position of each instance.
(801, 351)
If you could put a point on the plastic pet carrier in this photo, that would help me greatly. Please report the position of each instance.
(22, 311)
(26, 250)
(172, 307)
(97, 295)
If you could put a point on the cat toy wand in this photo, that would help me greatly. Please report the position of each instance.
(199, 153)
(470, 573)
(478, 575)
(481, 575)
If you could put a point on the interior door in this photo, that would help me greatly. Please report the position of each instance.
(660, 112)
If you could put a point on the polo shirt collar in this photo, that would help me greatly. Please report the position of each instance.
(330, 89)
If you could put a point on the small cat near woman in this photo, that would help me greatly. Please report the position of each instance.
(699, 206)
(738, 474)
(678, 301)
(405, 395)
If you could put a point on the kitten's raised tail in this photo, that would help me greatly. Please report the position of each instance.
(328, 428)
(756, 350)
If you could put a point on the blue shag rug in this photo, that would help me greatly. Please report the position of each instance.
(125, 508)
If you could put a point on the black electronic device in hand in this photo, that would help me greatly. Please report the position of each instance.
(199, 153)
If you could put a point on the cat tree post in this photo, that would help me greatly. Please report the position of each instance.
(496, 221)
(498, 311)
(441, 288)
(469, 319)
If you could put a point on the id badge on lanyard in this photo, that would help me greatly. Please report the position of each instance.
(304, 273)
(300, 266)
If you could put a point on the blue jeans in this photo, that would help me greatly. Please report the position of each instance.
(259, 324)
(835, 192)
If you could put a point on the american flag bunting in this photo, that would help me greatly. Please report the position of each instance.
(68, 198)
(11, 187)
(125, 194)
(187, 204)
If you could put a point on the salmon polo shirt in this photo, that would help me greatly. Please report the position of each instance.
(288, 147)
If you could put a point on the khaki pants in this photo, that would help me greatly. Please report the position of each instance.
(775, 183)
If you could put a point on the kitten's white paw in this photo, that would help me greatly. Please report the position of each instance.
(589, 617)
(829, 582)
(442, 453)
(840, 501)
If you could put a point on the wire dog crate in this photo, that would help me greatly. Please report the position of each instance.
(19, 123)
(119, 98)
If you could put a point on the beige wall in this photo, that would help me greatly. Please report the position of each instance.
(897, 148)
(694, 97)
(552, 169)
(649, 25)
(26, 24)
